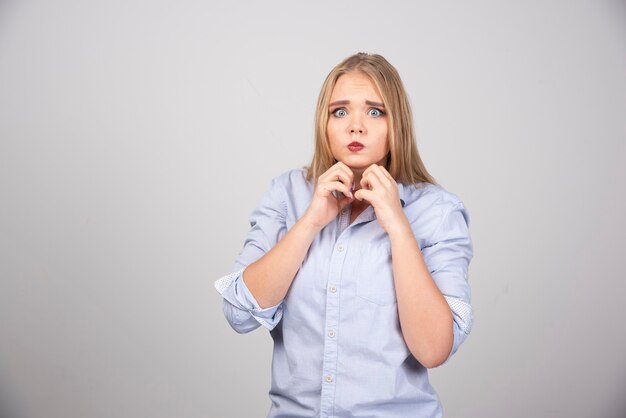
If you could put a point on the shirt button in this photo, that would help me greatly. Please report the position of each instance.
(333, 289)
(331, 333)
(340, 247)
(329, 378)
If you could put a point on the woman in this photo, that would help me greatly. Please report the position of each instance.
(358, 264)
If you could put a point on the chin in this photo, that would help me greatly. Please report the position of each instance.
(356, 166)
(359, 164)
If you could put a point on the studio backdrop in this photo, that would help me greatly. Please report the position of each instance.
(136, 138)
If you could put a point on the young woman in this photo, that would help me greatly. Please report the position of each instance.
(357, 264)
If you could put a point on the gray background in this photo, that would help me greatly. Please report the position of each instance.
(137, 136)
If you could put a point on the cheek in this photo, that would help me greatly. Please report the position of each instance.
(383, 134)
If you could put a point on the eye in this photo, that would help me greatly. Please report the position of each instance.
(340, 113)
(374, 112)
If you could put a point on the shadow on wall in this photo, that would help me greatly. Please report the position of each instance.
(5, 8)
(619, 411)
(8, 403)
(4, 5)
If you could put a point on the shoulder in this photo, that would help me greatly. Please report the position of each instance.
(291, 189)
(292, 182)
(430, 204)
(429, 195)
(290, 178)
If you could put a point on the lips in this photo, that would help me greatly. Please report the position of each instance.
(355, 146)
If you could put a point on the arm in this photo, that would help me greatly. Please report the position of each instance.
(272, 255)
(425, 316)
(431, 289)
(270, 277)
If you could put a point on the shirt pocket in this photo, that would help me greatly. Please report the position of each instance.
(374, 275)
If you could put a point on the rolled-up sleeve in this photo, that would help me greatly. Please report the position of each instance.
(268, 226)
(448, 257)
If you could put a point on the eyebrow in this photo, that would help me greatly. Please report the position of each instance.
(345, 102)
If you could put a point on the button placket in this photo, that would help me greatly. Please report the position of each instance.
(329, 367)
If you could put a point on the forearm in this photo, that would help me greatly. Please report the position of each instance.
(269, 278)
(425, 316)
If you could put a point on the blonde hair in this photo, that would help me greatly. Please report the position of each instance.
(404, 164)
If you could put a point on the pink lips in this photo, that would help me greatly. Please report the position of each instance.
(355, 146)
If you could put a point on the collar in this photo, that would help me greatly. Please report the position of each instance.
(401, 188)
(369, 214)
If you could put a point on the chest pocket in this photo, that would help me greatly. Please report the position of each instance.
(374, 275)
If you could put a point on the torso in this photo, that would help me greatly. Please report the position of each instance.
(345, 284)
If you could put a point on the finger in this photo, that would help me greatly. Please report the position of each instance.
(348, 175)
(371, 181)
(336, 186)
(367, 170)
(386, 173)
(378, 172)
(364, 194)
(345, 176)
(345, 168)
(337, 172)
(365, 183)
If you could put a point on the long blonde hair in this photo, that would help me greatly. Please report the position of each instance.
(404, 164)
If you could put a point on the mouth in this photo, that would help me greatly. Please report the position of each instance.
(355, 146)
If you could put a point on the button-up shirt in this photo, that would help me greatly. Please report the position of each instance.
(338, 347)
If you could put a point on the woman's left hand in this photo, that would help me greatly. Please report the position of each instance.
(381, 190)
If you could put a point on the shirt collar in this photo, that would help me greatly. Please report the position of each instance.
(401, 193)
(369, 214)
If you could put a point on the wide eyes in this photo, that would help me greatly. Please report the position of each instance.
(342, 112)
(375, 112)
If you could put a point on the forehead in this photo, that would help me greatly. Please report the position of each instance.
(356, 85)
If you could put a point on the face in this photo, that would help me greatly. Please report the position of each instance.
(357, 122)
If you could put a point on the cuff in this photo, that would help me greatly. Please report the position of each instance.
(463, 319)
(234, 290)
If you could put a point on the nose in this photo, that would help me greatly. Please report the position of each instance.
(356, 130)
(356, 126)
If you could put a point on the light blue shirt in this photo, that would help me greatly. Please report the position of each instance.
(338, 347)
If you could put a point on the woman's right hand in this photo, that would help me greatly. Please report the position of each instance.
(324, 206)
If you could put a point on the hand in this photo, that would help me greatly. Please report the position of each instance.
(324, 206)
(381, 190)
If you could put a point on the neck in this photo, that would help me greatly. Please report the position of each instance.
(358, 204)
(358, 174)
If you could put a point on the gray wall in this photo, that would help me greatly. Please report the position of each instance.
(137, 136)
